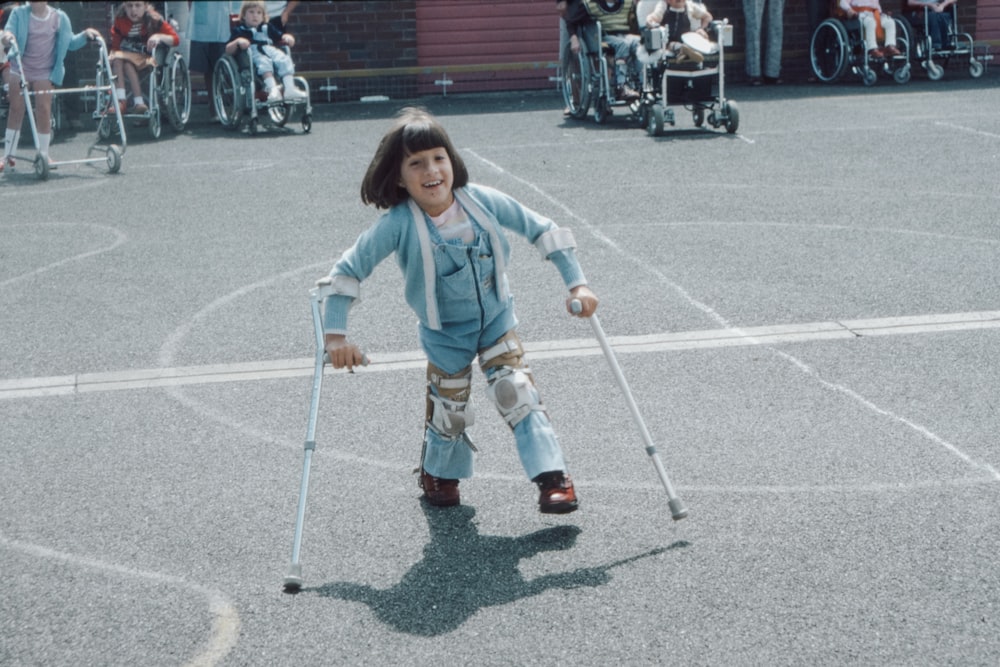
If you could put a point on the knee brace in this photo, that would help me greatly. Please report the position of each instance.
(514, 394)
(511, 387)
(448, 411)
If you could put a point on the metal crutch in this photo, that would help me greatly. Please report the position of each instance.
(293, 580)
(677, 509)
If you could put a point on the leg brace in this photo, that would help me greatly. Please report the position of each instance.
(511, 386)
(448, 412)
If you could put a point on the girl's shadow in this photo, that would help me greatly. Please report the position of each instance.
(463, 571)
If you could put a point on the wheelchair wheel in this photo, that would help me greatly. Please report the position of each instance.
(934, 71)
(828, 50)
(576, 85)
(654, 122)
(731, 113)
(226, 92)
(902, 74)
(976, 68)
(698, 116)
(602, 110)
(178, 100)
(155, 123)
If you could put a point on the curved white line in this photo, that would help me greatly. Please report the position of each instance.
(225, 619)
(120, 238)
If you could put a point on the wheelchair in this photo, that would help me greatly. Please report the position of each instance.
(668, 80)
(168, 85)
(959, 46)
(837, 45)
(587, 79)
(238, 92)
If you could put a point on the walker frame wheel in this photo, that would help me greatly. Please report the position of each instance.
(114, 158)
(41, 167)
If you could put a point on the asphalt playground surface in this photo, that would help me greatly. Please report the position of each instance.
(807, 311)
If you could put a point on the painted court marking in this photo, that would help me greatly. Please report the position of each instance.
(179, 376)
(225, 620)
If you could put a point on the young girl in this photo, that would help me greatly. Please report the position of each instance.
(448, 236)
(136, 32)
(255, 30)
(43, 36)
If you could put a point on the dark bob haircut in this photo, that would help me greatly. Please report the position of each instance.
(415, 130)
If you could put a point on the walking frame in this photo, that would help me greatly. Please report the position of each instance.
(113, 154)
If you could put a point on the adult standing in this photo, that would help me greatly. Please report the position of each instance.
(208, 29)
(757, 14)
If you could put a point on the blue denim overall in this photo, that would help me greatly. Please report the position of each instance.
(474, 318)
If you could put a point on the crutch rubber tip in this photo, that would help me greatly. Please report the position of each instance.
(677, 509)
(293, 580)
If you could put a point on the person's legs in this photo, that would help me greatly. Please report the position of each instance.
(753, 14)
(43, 113)
(775, 35)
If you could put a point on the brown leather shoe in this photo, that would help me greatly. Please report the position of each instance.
(891, 51)
(439, 492)
(875, 54)
(557, 495)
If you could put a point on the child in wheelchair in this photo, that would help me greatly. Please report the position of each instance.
(140, 39)
(262, 39)
(676, 18)
(873, 26)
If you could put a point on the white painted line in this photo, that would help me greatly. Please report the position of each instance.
(254, 371)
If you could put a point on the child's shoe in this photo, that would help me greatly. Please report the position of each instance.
(274, 95)
(140, 108)
(439, 492)
(557, 494)
(875, 54)
(294, 93)
(891, 51)
(7, 162)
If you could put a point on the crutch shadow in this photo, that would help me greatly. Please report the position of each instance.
(463, 571)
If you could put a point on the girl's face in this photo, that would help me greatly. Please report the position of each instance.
(427, 177)
(253, 16)
(135, 11)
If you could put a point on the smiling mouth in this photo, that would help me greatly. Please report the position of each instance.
(433, 184)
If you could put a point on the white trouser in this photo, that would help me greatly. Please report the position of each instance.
(869, 27)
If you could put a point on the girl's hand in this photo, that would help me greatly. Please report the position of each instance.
(289, 40)
(92, 33)
(153, 42)
(585, 297)
(243, 43)
(342, 354)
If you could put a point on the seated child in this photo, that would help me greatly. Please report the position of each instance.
(136, 32)
(679, 17)
(869, 12)
(256, 35)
